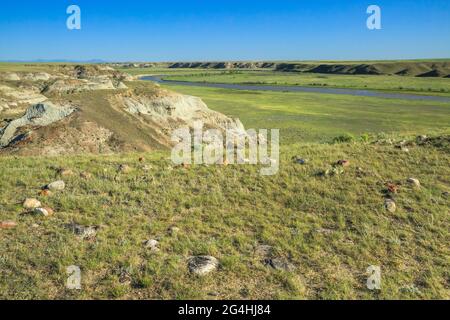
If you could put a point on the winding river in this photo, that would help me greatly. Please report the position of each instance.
(353, 92)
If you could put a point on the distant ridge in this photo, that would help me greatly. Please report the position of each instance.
(55, 61)
(428, 68)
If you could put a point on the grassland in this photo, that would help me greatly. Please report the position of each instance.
(330, 228)
(306, 117)
(439, 86)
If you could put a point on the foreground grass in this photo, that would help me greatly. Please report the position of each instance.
(331, 229)
(320, 117)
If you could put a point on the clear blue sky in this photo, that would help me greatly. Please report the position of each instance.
(170, 30)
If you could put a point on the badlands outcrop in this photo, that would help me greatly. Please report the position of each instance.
(75, 109)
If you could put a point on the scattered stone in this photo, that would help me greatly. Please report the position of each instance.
(35, 225)
(56, 186)
(202, 265)
(125, 276)
(401, 144)
(446, 194)
(264, 250)
(392, 188)
(84, 232)
(173, 231)
(65, 172)
(390, 205)
(31, 203)
(86, 175)
(45, 193)
(324, 231)
(213, 294)
(124, 168)
(343, 163)
(300, 160)
(279, 264)
(7, 224)
(46, 212)
(421, 139)
(152, 244)
(414, 182)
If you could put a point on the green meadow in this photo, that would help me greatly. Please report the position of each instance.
(436, 86)
(310, 117)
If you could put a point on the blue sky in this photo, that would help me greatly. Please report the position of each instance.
(171, 30)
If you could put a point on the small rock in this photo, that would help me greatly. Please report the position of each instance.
(279, 264)
(421, 138)
(152, 244)
(300, 160)
(264, 250)
(414, 182)
(446, 194)
(46, 212)
(85, 175)
(124, 168)
(7, 224)
(344, 163)
(35, 225)
(56, 186)
(65, 172)
(173, 231)
(45, 193)
(324, 231)
(213, 294)
(390, 205)
(84, 232)
(31, 203)
(392, 188)
(125, 276)
(202, 265)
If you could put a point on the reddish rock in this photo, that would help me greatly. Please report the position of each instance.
(7, 224)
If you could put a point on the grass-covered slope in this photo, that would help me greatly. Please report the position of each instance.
(329, 229)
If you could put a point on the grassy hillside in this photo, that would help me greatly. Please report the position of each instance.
(329, 229)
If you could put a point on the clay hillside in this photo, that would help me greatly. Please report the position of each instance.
(72, 109)
(435, 69)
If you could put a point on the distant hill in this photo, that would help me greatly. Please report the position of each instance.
(415, 68)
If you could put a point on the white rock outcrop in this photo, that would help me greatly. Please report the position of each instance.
(42, 114)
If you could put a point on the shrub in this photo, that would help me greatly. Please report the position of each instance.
(344, 138)
(365, 137)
